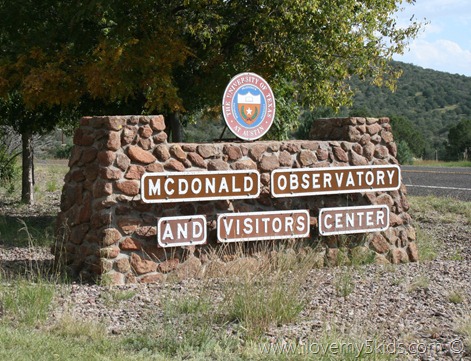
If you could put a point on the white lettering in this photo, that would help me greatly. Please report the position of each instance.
(248, 226)
(350, 219)
(327, 224)
(276, 225)
(305, 181)
(327, 180)
(380, 177)
(359, 174)
(315, 180)
(182, 186)
(167, 232)
(154, 188)
(282, 182)
(293, 179)
(197, 230)
(390, 175)
(234, 188)
(167, 190)
(350, 181)
(196, 186)
(380, 218)
(301, 225)
(369, 178)
(339, 179)
(211, 185)
(369, 219)
(248, 184)
(289, 224)
(223, 186)
(182, 231)
(227, 225)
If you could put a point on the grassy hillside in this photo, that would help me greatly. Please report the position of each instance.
(433, 101)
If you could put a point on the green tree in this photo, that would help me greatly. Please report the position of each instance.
(459, 140)
(315, 46)
(179, 55)
(404, 154)
(405, 131)
(176, 56)
(57, 55)
(15, 114)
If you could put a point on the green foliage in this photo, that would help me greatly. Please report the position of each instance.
(76, 341)
(425, 102)
(24, 231)
(25, 302)
(455, 297)
(63, 151)
(429, 245)
(343, 283)
(441, 209)
(459, 140)
(258, 304)
(432, 163)
(176, 56)
(405, 131)
(464, 328)
(288, 110)
(187, 331)
(404, 154)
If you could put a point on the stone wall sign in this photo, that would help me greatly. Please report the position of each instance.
(257, 226)
(345, 220)
(334, 180)
(199, 186)
(181, 231)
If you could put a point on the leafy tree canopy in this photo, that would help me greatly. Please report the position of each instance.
(178, 55)
(459, 140)
(405, 131)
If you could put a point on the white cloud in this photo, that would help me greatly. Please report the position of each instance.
(442, 54)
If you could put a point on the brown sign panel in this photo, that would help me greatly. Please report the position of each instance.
(257, 226)
(333, 180)
(181, 231)
(344, 220)
(199, 186)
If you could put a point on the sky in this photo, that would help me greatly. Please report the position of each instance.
(444, 44)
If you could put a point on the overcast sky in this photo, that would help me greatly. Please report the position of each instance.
(445, 42)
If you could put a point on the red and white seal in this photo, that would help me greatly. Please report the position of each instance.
(248, 106)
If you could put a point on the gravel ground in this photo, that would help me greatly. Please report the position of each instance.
(410, 303)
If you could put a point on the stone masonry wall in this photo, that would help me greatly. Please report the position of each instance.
(105, 229)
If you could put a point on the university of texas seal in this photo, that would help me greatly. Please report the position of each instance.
(248, 106)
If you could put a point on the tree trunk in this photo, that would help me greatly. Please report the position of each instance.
(27, 180)
(174, 128)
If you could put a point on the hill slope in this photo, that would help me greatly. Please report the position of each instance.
(432, 100)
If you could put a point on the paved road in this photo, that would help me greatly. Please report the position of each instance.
(439, 181)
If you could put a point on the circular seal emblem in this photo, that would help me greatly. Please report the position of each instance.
(248, 106)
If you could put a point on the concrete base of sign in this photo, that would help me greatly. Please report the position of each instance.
(105, 228)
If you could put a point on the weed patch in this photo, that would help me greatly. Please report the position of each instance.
(440, 209)
(25, 302)
(343, 283)
(429, 245)
(27, 231)
(464, 328)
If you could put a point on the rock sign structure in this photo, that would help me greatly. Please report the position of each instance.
(105, 229)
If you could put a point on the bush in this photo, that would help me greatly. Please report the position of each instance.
(63, 151)
(404, 154)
